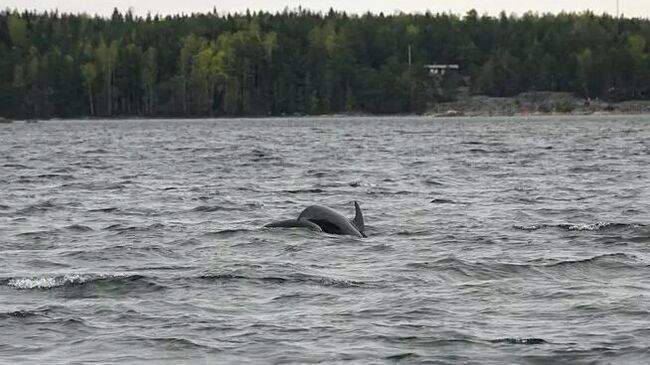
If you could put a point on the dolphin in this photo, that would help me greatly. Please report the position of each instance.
(323, 219)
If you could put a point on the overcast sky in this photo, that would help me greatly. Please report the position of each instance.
(634, 8)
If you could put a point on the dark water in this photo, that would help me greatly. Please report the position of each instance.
(491, 241)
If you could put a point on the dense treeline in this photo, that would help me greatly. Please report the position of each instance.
(64, 65)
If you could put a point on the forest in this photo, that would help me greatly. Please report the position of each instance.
(299, 62)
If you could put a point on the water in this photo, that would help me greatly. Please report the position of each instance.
(491, 241)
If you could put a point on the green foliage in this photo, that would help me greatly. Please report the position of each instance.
(89, 74)
(17, 30)
(500, 75)
(301, 62)
(565, 106)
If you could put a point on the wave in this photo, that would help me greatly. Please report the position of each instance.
(41, 206)
(17, 166)
(38, 234)
(104, 210)
(228, 232)
(533, 227)
(433, 182)
(97, 185)
(214, 208)
(23, 180)
(210, 208)
(585, 169)
(96, 151)
(90, 166)
(321, 173)
(604, 258)
(44, 282)
(63, 170)
(478, 150)
(484, 151)
(234, 277)
(594, 227)
(407, 132)
(292, 278)
(402, 356)
(599, 226)
(119, 282)
(443, 201)
(53, 176)
(333, 282)
(520, 341)
(310, 191)
(241, 188)
(201, 149)
(126, 249)
(477, 143)
(26, 313)
(414, 233)
(78, 228)
(464, 269)
(382, 247)
(179, 343)
(124, 229)
(384, 192)
(43, 263)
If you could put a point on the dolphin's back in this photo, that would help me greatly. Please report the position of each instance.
(290, 223)
(329, 220)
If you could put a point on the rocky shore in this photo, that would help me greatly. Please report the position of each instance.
(535, 103)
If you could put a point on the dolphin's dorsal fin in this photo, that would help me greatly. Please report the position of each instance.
(358, 218)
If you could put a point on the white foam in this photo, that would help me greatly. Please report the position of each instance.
(588, 227)
(45, 282)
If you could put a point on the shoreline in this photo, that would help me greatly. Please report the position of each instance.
(536, 104)
(336, 116)
(533, 104)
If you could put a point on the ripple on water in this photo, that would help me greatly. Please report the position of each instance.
(84, 285)
(78, 228)
(26, 313)
(520, 341)
(39, 207)
(594, 227)
(492, 241)
(296, 278)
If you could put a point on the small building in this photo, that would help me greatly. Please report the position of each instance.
(440, 69)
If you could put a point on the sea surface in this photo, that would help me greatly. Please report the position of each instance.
(490, 241)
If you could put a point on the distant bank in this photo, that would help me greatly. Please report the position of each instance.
(531, 103)
(299, 62)
(536, 103)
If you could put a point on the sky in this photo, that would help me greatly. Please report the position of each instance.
(630, 8)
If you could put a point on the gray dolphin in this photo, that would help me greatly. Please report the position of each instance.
(323, 219)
